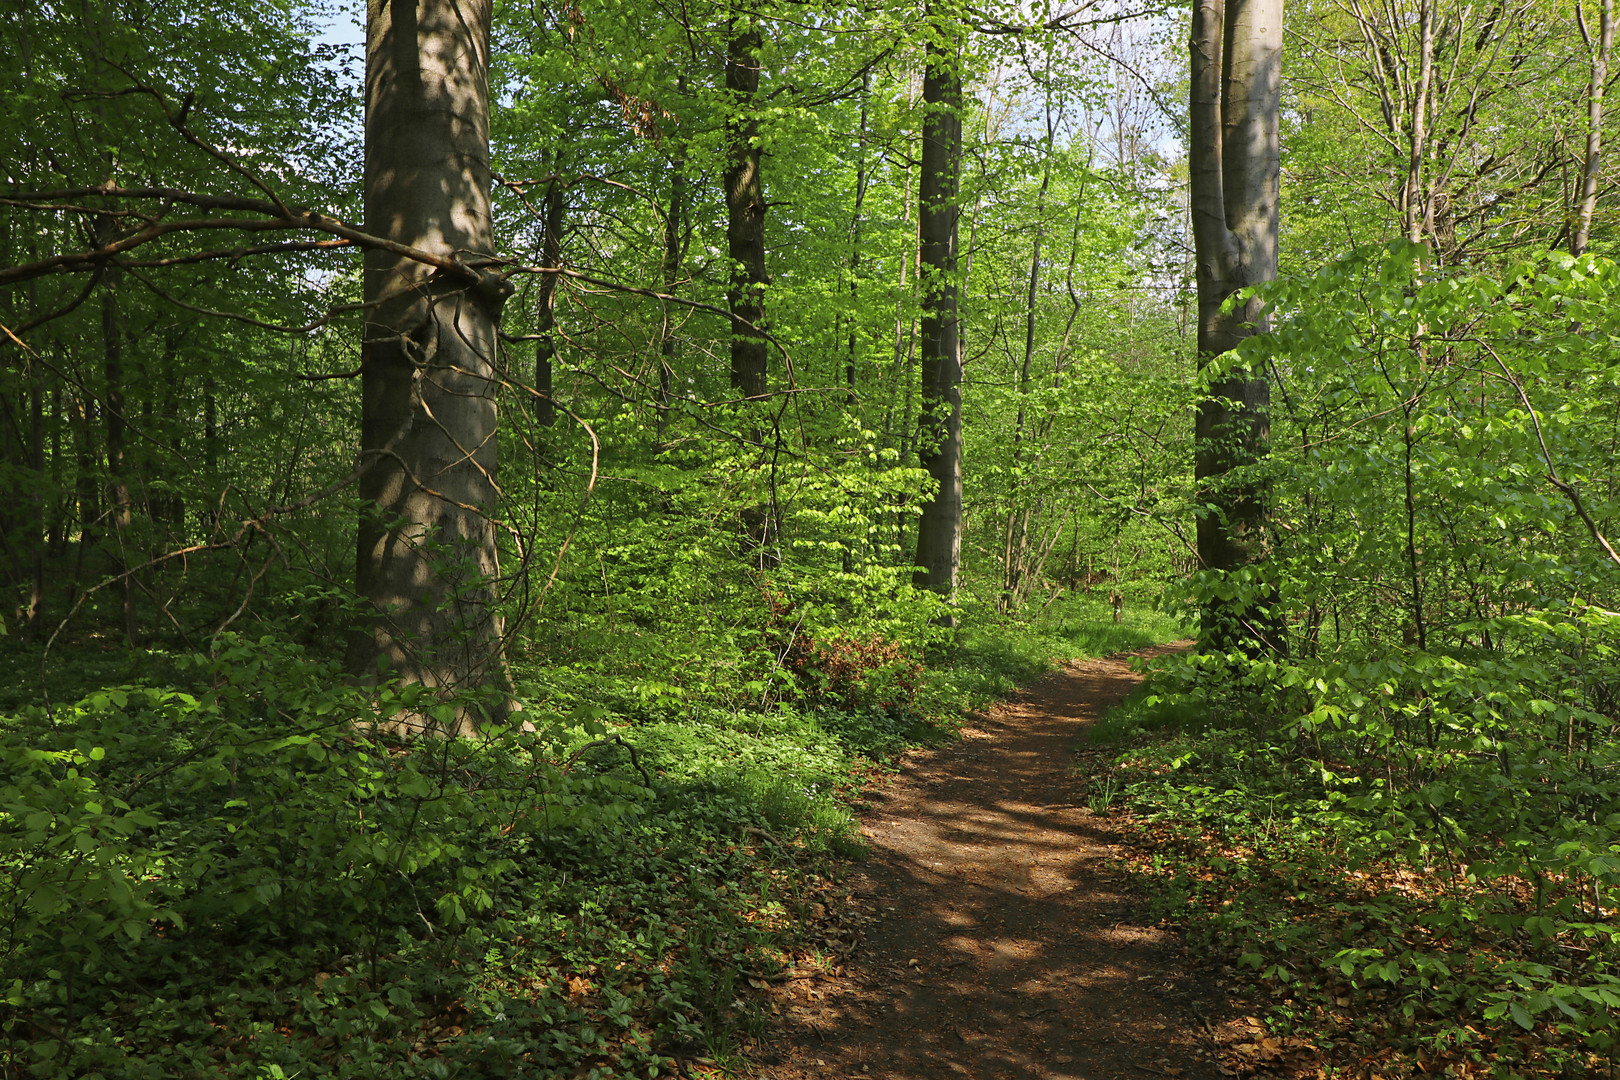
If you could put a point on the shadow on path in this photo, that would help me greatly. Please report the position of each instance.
(1003, 946)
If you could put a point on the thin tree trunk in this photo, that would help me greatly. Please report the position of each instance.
(905, 345)
(674, 250)
(939, 423)
(56, 542)
(745, 214)
(545, 316)
(857, 221)
(35, 611)
(1234, 104)
(1586, 205)
(87, 489)
(1415, 211)
(14, 519)
(427, 562)
(112, 337)
(905, 333)
(1012, 566)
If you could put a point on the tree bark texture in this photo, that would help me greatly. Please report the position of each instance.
(939, 423)
(427, 562)
(745, 213)
(1586, 205)
(1236, 65)
(1417, 206)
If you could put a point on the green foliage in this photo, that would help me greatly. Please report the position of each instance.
(240, 871)
(1406, 827)
(241, 876)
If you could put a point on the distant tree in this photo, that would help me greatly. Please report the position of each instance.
(745, 209)
(939, 436)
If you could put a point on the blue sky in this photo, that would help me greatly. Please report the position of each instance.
(341, 23)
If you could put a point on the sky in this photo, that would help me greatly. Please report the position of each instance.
(340, 23)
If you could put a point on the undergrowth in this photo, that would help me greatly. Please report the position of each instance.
(223, 866)
(1415, 858)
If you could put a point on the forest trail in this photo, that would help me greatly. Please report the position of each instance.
(1003, 945)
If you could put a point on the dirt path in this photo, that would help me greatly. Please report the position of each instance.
(999, 944)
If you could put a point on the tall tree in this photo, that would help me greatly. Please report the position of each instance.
(427, 561)
(939, 442)
(745, 210)
(545, 314)
(1460, 124)
(674, 251)
(1234, 103)
(1586, 202)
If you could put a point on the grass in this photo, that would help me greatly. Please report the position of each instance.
(1083, 626)
(997, 654)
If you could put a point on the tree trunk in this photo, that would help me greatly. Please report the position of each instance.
(1581, 234)
(35, 611)
(939, 424)
(56, 539)
(674, 250)
(1013, 558)
(545, 318)
(1236, 60)
(1417, 208)
(745, 214)
(856, 225)
(427, 562)
(112, 337)
(86, 486)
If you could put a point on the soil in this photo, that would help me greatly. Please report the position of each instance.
(991, 933)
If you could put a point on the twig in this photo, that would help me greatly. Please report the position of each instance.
(635, 758)
(1552, 470)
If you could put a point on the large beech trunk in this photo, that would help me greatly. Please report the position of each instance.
(745, 214)
(939, 435)
(427, 562)
(1236, 65)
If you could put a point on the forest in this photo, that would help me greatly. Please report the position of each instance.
(488, 485)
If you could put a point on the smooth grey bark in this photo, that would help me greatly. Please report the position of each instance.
(427, 563)
(1234, 108)
(1586, 204)
(745, 213)
(939, 421)
(1417, 208)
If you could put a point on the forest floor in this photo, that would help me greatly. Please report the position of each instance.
(999, 934)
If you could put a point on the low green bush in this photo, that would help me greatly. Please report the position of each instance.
(1417, 854)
